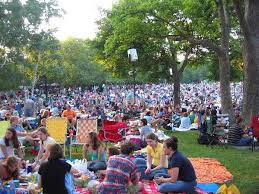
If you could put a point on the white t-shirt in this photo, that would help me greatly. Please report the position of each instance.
(48, 141)
(9, 149)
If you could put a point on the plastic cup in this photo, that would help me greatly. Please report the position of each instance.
(16, 183)
(29, 168)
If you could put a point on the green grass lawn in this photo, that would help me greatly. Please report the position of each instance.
(243, 164)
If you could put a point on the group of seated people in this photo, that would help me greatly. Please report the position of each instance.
(171, 170)
(164, 164)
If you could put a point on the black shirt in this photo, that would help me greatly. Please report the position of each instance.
(186, 170)
(53, 176)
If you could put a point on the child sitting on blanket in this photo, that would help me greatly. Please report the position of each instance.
(94, 146)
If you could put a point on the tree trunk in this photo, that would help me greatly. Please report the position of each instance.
(35, 78)
(250, 28)
(224, 77)
(177, 85)
(224, 64)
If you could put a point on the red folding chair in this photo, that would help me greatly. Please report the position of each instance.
(255, 126)
(113, 131)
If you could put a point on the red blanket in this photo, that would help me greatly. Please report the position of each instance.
(149, 187)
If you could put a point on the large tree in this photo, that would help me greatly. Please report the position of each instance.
(43, 59)
(20, 22)
(248, 15)
(79, 65)
(132, 24)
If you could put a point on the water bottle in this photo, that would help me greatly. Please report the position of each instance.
(12, 188)
(1, 186)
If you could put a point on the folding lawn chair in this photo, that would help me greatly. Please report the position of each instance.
(216, 134)
(57, 128)
(84, 126)
(255, 127)
(3, 126)
(112, 131)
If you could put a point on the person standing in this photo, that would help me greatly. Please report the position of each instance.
(29, 107)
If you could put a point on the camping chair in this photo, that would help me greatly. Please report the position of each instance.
(3, 126)
(113, 131)
(84, 126)
(218, 132)
(57, 128)
(255, 126)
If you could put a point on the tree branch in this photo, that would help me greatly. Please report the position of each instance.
(195, 41)
(185, 61)
(241, 17)
(4, 63)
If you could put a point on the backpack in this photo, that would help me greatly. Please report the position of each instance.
(203, 139)
(206, 139)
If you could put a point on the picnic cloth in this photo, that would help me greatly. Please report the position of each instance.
(209, 187)
(149, 187)
(210, 170)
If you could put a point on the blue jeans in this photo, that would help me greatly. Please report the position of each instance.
(28, 112)
(96, 165)
(142, 166)
(244, 141)
(178, 186)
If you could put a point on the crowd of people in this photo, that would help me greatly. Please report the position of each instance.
(153, 107)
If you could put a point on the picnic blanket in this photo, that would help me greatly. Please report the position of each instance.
(149, 187)
(210, 170)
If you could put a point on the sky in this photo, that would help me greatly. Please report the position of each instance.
(80, 17)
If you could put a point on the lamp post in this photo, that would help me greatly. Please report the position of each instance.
(133, 57)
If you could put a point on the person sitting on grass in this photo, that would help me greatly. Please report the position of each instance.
(156, 159)
(111, 151)
(182, 177)
(45, 142)
(9, 169)
(8, 143)
(23, 136)
(145, 130)
(52, 173)
(120, 172)
(94, 146)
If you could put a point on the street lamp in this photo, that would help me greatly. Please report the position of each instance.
(133, 57)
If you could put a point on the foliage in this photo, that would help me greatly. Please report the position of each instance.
(131, 24)
(79, 66)
(43, 59)
(151, 26)
(20, 22)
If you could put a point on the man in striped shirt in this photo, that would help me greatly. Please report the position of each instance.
(120, 172)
